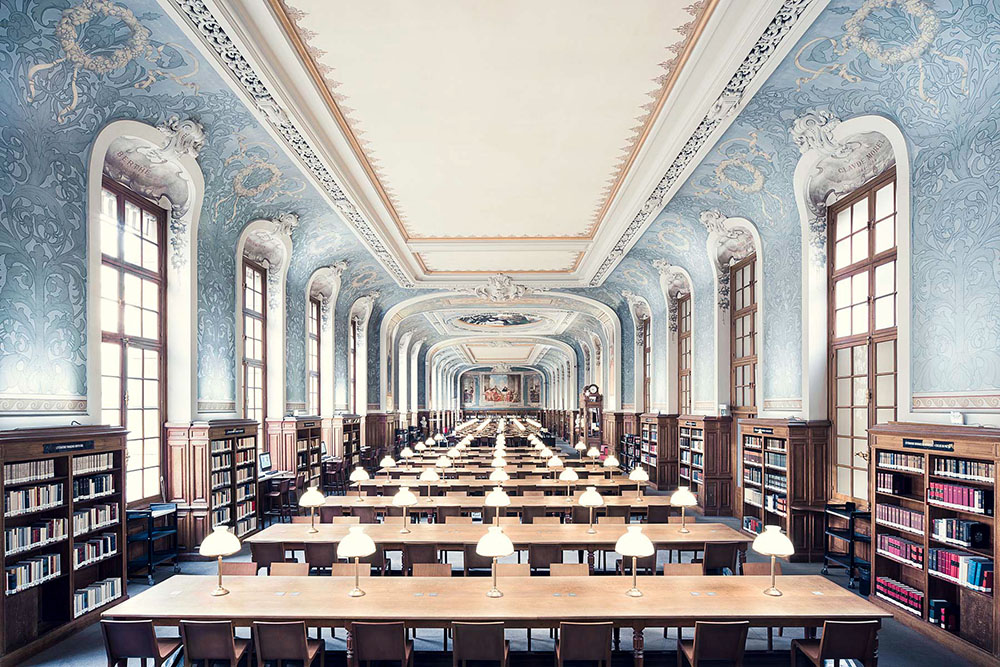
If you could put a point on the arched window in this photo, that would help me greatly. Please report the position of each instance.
(352, 368)
(743, 370)
(254, 364)
(862, 316)
(314, 317)
(132, 320)
(684, 354)
(647, 365)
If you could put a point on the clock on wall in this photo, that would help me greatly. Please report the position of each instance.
(591, 390)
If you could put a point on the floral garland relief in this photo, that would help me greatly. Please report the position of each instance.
(927, 25)
(71, 31)
(738, 171)
(257, 179)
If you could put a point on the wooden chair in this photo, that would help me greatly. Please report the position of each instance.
(213, 641)
(480, 642)
(473, 562)
(327, 513)
(569, 570)
(644, 565)
(658, 514)
(418, 553)
(289, 569)
(347, 570)
(714, 642)
(719, 557)
(458, 520)
(532, 514)
(841, 640)
(239, 569)
(443, 513)
(345, 520)
(431, 570)
(365, 513)
(381, 642)
(764, 570)
(136, 639)
(541, 556)
(623, 511)
(266, 553)
(320, 555)
(589, 642)
(278, 642)
(276, 501)
(513, 570)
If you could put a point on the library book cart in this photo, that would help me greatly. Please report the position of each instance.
(63, 524)
(934, 532)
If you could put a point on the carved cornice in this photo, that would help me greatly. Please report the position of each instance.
(500, 288)
(214, 36)
(724, 107)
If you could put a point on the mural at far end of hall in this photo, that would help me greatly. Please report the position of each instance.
(492, 390)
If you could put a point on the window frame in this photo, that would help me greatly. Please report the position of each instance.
(647, 365)
(747, 361)
(871, 337)
(684, 397)
(262, 318)
(352, 367)
(123, 195)
(314, 371)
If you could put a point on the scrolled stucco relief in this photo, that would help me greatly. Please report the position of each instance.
(640, 313)
(842, 166)
(675, 284)
(729, 242)
(267, 246)
(325, 286)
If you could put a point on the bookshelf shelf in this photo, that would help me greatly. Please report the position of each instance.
(935, 488)
(43, 535)
(785, 461)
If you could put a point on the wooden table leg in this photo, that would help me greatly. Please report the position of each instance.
(590, 559)
(350, 646)
(638, 642)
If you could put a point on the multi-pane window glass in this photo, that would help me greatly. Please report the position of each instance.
(647, 364)
(684, 354)
(254, 326)
(313, 355)
(743, 285)
(863, 317)
(352, 372)
(131, 314)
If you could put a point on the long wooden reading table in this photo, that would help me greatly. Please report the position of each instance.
(610, 486)
(465, 502)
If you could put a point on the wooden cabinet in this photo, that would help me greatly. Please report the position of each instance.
(351, 451)
(614, 429)
(308, 452)
(657, 445)
(785, 480)
(63, 522)
(934, 532)
(705, 461)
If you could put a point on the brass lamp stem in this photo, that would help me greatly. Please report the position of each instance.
(404, 529)
(312, 520)
(684, 528)
(356, 592)
(494, 592)
(429, 492)
(220, 590)
(591, 529)
(634, 591)
(773, 590)
(359, 492)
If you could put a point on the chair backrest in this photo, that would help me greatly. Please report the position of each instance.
(657, 514)
(129, 639)
(585, 641)
(281, 641)
(720, 641)
(478, 641)
(513, 570)
(208, 640)
(848, 640)
(682, 569)
(347, 570)
(474, 561)
(379, 641)
(761, 569)
(240, 569)
(330, 513)
(623, 511)
(301, 519)
(265, 553)
(611, 519)
(581, 514)
(720, 556)
(419, 553)
(458, 519)
(541, 556)
(320, 554)
(431, 570)
(289, 569)
(366, 513)
(344, 520)
(547, 520)
(569, 570)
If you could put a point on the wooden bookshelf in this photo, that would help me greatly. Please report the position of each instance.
(705, 462)
(351, 429)
(308, 453)
(785, 481)
(934, 500)
(658, 449)
(73, 479)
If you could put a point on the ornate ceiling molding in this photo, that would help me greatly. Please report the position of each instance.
(214, 36)
(500, 288)
(724, 107)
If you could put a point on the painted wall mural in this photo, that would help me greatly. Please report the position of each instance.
(500, 390)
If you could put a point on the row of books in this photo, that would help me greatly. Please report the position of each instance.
(776, 460)
(901, 548)
(92, 487)
(221, 478)
(752, 442)
(32, 499)
(221, 516)
(899, 516)
(245, 509)
(975, 572)
(777, 504)
(94, 549)
(221, 462)
(753, 496)
(244, 475)
(83, 465)
(888, 482)
(914, 462)
(949, 467)
(963, 531)
(222, 496)
(957, 495)
(775, 444)
(92, 518)
(249, 442)
(752, 524)
(907, 596)
(22, 538)
(753, 458)
(698, 459)
(246, 525)
(943, 614)
(753, 475)
(96, 595)
(220, 446)
(31, 572)
(775, 481)
(246, 456)
(29, 471)
(245, 491)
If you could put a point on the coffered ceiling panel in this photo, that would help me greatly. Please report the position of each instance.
(485, 260)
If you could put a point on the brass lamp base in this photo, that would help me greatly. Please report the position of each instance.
(685, 529)
(222, 591)
(494, 593)
(772, 591)
(313, 530)
(591, 531)
(633, 593)
(356, 593)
